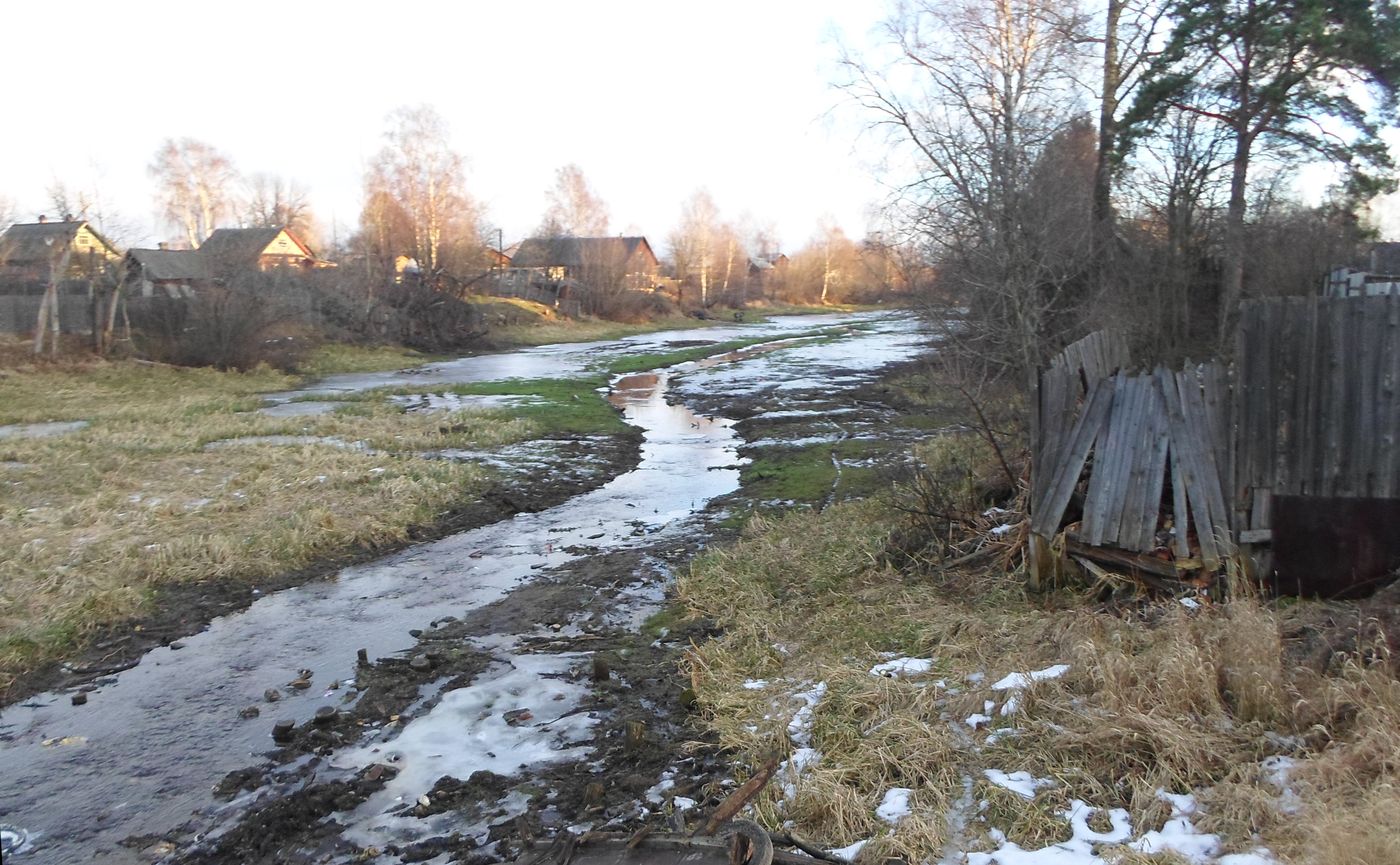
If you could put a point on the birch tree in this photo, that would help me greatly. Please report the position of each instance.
(695, 244)
(194, 186)
(574, 208)
(426, 177)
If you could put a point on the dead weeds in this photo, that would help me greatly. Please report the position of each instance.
(93, 520)
(1157, 697)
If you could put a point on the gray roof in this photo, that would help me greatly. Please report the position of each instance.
(576, 251)
(237, 246)
(35, 242)
(171, 265)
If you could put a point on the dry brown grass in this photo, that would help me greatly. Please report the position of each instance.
(1162, 697)
(92, 521)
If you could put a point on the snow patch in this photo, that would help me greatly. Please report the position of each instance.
(1023, 784)
(1018, 681)
(901, 667)
(800, 727)
(895, 805)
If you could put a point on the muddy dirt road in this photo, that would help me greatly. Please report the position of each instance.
(507, 686)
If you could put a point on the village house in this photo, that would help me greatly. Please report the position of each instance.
(1380, 276)
(29, 252)
(227, 252)
(603, 263)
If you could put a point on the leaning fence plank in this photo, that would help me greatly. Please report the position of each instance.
(1144, 534)
(1123, 510)
(1194, 411)
(1061, 487)
(1107, 457)
(1186, 443)
(1181, 512)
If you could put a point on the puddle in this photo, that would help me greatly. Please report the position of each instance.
(284, 440)
(456, 401)
(150, 760)
(307, 408)
(40, 430)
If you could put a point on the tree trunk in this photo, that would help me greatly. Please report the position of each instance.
(1232, 280)
(1108, 128)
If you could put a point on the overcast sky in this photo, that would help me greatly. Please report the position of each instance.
(651, 99)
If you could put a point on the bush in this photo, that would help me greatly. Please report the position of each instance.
(633, 307)
(250, 321)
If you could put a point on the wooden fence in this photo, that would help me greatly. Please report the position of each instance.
(1308, 412)
(1319, 411)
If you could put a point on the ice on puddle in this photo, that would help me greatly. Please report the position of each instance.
(895, 805)
(977, 719)
(1012, 705)
(467, 732)
(683, 803)
(1021, 783)
(900, 667)
(1190, 603)
(1018, 681)
(756, 684)
(1002, 529)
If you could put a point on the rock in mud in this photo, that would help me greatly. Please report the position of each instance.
(248, 712)
(177, 646)
(420, 663)
(79, 698)
(516, 717)
(299, 684)
(325, 714)
(282, 731)
(272, 695)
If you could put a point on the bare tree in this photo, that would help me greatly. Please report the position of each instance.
(978, 92)
(194, 186)
(272, 201)
(695, 243)
(423, 174)
(574, 209)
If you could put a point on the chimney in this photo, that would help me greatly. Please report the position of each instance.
(43, 219)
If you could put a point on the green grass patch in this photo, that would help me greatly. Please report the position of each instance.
(808, 475)
(551, 405)
(660, 359)
(338, 357)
